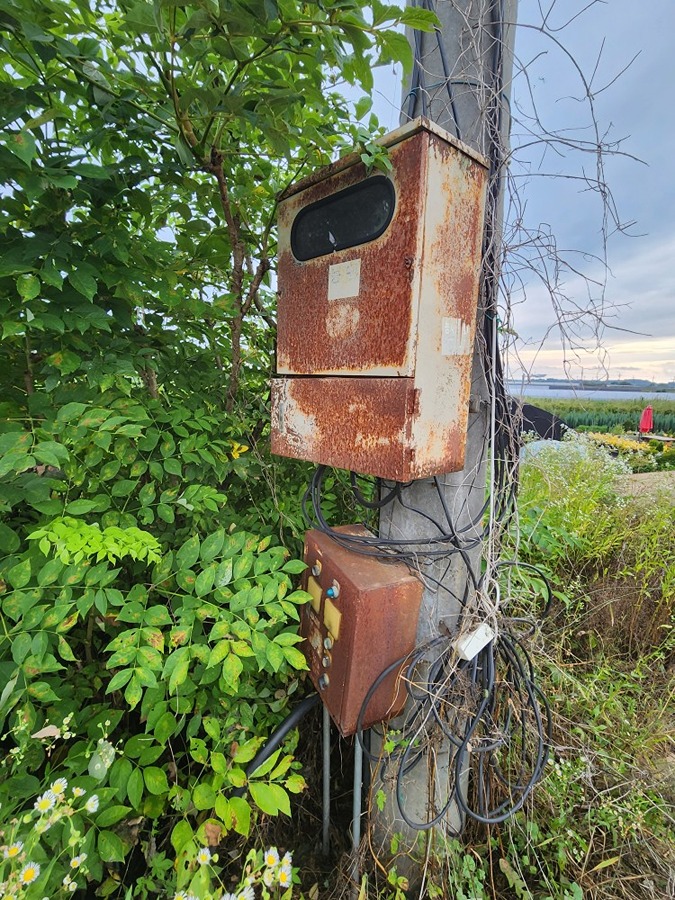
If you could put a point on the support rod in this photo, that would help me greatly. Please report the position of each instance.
(325, 806)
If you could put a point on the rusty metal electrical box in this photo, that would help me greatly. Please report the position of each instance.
(362, 618)
(378, 281)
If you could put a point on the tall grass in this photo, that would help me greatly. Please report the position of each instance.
(601, 824)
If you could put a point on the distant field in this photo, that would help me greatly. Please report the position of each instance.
(607, 414)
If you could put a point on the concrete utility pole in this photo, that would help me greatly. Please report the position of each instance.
(461, 81)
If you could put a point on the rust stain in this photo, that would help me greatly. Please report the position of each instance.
(312, 335)
(379, 603)
(350, 423)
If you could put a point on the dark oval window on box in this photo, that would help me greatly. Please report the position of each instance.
(351, 217)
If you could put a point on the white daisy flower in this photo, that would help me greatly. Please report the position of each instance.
(59, 787)
(92, 804)
(13, 850)
(78, 792)
(247, 894)
(45, 802)
(285, 876)
(204, 856)
(286, 860)
(272, 857)
(77, 861)
(268, 877)
(72, 887)
(29, 873)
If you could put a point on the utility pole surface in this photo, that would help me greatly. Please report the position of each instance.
(461, 80)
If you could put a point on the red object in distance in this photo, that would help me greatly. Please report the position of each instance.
(647, 420)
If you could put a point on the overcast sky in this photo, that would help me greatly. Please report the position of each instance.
(637, 108)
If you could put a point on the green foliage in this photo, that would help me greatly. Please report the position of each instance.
(136, 612)
(604, 668)
(567, 491)
(147, 602)
(606, 415)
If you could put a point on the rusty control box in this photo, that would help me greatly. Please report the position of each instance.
(361, 619)
(378, 280)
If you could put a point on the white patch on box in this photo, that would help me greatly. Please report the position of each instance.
(455, 337)
(344, 280)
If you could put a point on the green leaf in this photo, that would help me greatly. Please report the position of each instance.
(110, 847)
(181, 835)
(80, 507)
(294, 566)
(123, 488)
(133, 691)
(111, 815)
(22, 145)
(188, 554)
(212, 545)
(19, 575)
(166, 513)
(362, 107)
(135, 788)
(173, 466)
(241, 815)
(295, 658)
(394, 47)
(21, 647)
(264, 798)
(232, 669)
(65, 361)
(84, 283)
(9, 539)
(28, 286)
(155, 780)
(295, 783)
(419, 18)
(204, 581)
(203, 796)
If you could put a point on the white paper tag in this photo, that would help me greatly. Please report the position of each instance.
(455, 337)
(344, 280)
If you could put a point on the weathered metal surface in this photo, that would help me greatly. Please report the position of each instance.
(379, 605)
(406, 314)
(369, 333)
(350, 423)
(454, 211)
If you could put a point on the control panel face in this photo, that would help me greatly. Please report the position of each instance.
(361, 619)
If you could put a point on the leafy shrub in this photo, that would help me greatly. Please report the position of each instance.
(149, 642)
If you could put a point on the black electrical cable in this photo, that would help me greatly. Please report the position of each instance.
(275, 739)
(479, 734)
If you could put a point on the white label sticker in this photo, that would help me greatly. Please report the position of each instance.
(344, 280)
(455, 338)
